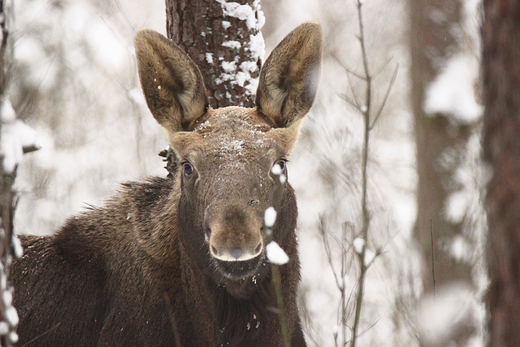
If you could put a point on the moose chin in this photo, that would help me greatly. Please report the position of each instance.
(181, 260)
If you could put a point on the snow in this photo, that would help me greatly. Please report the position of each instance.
(358, 244)
(4, 328)
(17, 247)
(255, 20)
(228, 66)
(226, 24)
(453, 93)
(7, 298)
(276, 254)
(457, 205)
(269, 216)
(440, 317)
(15, 137)
(257, 46)
(460, 249)
(209, 58)
(276, 169)
(232, 44)
(12, 316)
(242, 12)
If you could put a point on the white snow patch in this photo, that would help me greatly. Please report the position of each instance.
(441, 317)
(12, 316)
(269, 216)
(242, 12)
(457, 205)
(358, 244)
(257, 46)
(252, 86)
(226, 24)
(452, 91)
(4, 328)
(232, 44)
(460, 249)
(229, 66)
(276, 254)
(17, 246)
(276, 169)
(7, 298)
(14, 137)
(209, 58)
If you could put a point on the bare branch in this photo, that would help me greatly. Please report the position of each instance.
(348, 70)
(390, 85)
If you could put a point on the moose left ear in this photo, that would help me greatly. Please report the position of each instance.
(172, 84)
(289, 78)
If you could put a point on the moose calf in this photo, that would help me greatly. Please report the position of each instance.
(181, 261)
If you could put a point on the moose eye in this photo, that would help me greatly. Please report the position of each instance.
(188, 169)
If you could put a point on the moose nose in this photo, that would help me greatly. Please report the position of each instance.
(246, 251)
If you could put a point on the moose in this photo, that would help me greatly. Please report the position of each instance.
(181, 260)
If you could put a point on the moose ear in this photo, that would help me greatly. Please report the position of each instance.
(289, 77)
(172, 84)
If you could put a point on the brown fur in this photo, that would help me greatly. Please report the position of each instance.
(181, 261)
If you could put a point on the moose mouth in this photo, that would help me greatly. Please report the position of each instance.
(239, 270)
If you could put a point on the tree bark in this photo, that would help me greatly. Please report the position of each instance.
(441, 144)
(226, 46)
(501, 82)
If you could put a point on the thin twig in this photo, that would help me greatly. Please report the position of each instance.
(347, 69)
(281, 308)
(350, 101)
(41, 335)
(390, 85)
(366, 219)
(433, 256)
(328, 250)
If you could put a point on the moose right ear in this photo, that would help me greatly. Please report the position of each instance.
(172, 84)
(288, 79)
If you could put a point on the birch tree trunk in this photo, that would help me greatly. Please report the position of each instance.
(501, 77)
(225, 42)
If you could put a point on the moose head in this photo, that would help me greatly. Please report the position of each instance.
(230, 163)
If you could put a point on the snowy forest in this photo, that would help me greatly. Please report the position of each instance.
(390, 170)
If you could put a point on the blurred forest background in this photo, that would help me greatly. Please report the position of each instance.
(73, 79)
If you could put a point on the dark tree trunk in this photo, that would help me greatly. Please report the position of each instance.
(437, 135)
(7, 195)
(501, 76)
(209, 34)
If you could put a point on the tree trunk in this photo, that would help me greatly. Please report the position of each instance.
(224, 41)
(441, 143)
(7, 199)
(501, 77)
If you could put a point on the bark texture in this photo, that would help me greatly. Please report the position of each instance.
(210, 38)
(501, 77)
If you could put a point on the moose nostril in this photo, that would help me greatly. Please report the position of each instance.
(214, 250)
